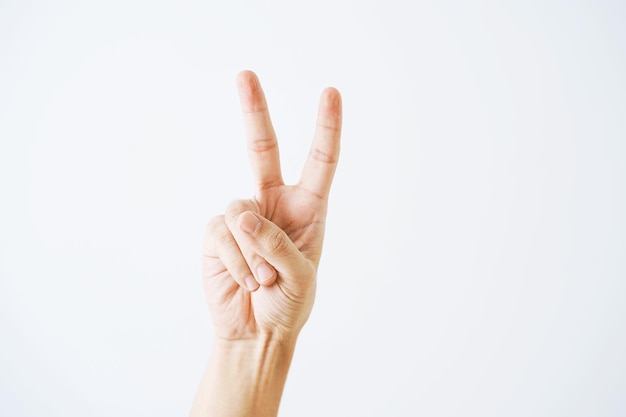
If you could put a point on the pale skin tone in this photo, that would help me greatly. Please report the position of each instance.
(260, 263)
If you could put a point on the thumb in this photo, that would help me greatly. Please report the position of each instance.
(273, 244)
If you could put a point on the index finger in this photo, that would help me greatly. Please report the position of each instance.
(260, 136)
(321, 163)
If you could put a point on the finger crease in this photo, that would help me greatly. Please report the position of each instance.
(255, 110)
(262, 145)
(322, 156)
(269, 183)
(333, 128)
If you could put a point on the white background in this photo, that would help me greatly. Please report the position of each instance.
(474, 261)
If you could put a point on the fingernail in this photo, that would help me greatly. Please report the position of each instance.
(264, 272)
(249, 223)
(251, 283)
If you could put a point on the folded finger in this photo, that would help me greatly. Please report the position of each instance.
(271, 243)
(220, 243)
(263, 271)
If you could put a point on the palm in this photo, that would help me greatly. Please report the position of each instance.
(299, 210)
(299, 213)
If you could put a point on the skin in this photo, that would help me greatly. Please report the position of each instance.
(260, 262)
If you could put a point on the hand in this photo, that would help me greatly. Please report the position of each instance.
(260, 258)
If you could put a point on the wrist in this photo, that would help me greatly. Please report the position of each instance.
(245, 377)
(258, 355)
(257, 341)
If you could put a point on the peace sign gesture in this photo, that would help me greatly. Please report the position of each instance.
(260, 258)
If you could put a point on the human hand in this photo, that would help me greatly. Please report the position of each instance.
(260, 258)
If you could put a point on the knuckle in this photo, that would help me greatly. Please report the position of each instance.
(237, 207)
(322, 156)
(233, 208)
(215, 229)
(271, 182)
(224, 239)
(214, 224)
(261, 145)
(330, 127)
(278, 243)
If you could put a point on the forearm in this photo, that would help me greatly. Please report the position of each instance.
(244, 378)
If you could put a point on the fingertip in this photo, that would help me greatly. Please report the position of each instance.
(331, 92)
(251, 284)
(330, 110)
(266, 274)
(249, 222)
(250, 92)
(331, 99)
(245, 77)
(269, 283)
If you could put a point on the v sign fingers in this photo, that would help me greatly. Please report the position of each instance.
(260, 135)
(321, 163)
